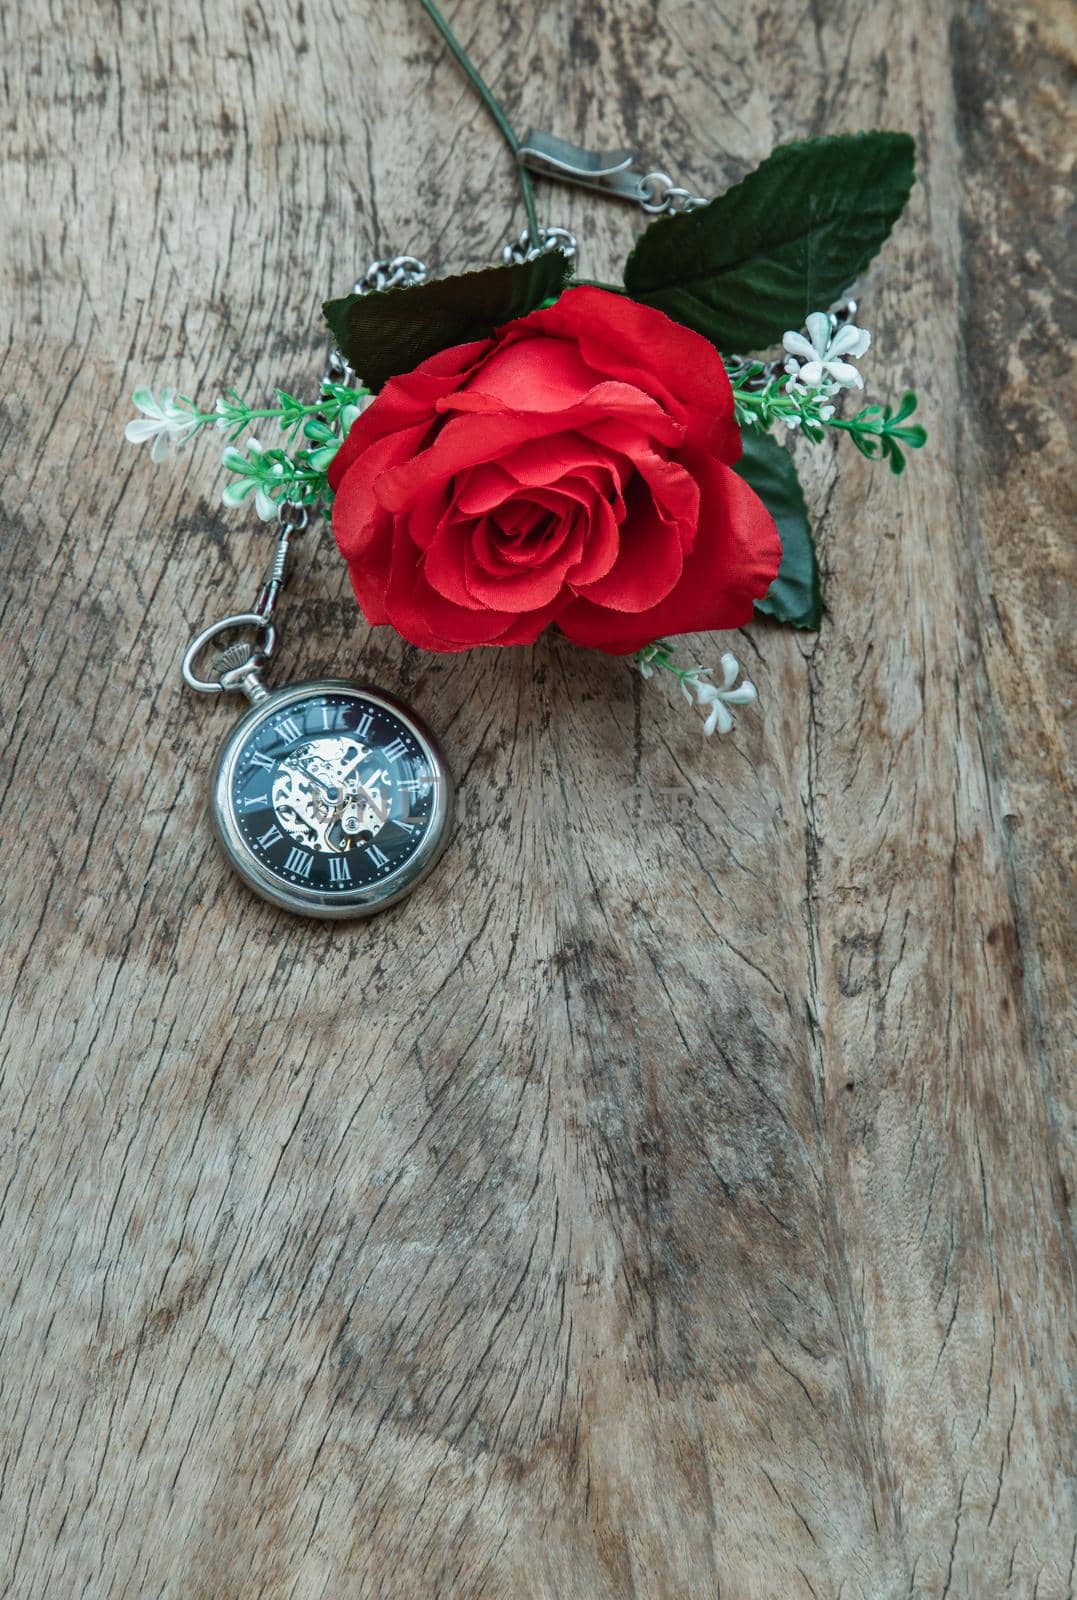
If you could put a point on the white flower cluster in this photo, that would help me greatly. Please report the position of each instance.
(168, 421)
(816, 365)
(708, 696)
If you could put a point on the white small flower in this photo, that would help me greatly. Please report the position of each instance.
(719, 700)
(234, 494)
(168, 421)
(696, 688)
(816, 362)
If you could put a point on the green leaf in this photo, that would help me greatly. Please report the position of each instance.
(794, 596)
(786, 240)
(392, 330)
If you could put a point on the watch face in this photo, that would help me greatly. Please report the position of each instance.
(331, 799)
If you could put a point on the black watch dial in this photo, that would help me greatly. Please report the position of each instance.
(332, 792)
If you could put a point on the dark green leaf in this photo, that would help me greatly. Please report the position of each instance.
(392, 330)
(786, 240)
(794, 596)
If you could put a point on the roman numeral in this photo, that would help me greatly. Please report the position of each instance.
(259, 760)
(415, 784)
(270, 836)
(364, 725)
(394, 751)
(376, 856)
(327, 716)
(288, 729)
(339, 871)
(250, 801)
(298, 862)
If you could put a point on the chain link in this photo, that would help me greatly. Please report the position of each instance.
(665, 198)
(396, 272)
(520, 249)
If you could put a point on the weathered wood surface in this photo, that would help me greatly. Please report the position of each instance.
(669, 1201)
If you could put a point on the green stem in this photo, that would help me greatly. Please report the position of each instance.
(755, 400)
(660, 654)
(875, 431)
(856, 426)
(494, 108)
(258, 416)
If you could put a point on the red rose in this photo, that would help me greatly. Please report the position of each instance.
(574, 469)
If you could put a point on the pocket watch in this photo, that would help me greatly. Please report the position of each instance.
(329, 798)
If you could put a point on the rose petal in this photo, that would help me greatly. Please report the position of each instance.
(675, 492)
(426, 619)
(535, 374)
(528, 590)
(529, 531)
(606, 398)
(363, 530)
(443, 564)
(599, 550)
(356, 508)
(651, 556)
(464, 441)
(537, 462)
(617, 335)
(422, 520)
(484, 487)
(453, 567)
(733, 561)
(406, 401)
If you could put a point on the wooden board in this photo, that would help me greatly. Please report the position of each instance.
(669, 1201)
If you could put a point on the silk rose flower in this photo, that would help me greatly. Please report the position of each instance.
(574, 469)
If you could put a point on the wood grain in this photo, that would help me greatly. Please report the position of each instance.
(670, 1200)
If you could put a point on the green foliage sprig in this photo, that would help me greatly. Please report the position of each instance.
(875, 430)
(273, 476)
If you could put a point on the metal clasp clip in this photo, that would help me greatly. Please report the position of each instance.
(612, 172)
(609, 172)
